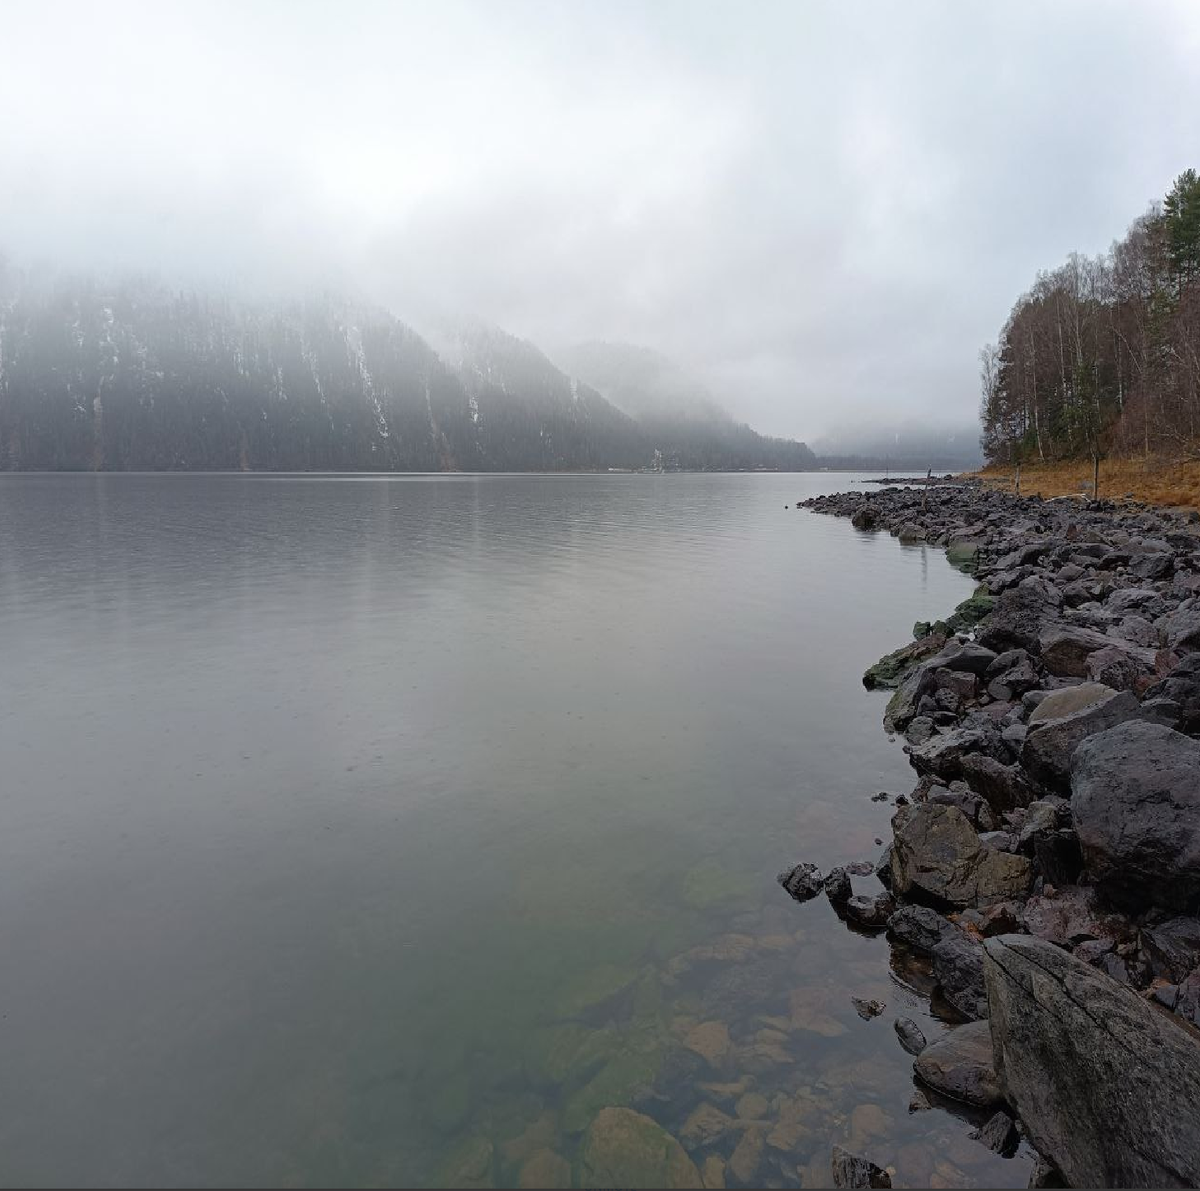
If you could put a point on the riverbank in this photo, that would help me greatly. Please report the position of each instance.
(1168, 483)
(1045, 869)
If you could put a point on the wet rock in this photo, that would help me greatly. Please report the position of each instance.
(623, 1148)
(1107, 1087)
(838, 888)
(852, 1171)
(865, 517)
(867, 1009)
(919, 1102)
(870, 912)
(1136, 810)
(1172, 948)
(1063, 720)
(1044, 1175)
(999, 1134)
(918, 927)
(958, 966)
(937, 857)
(910, 1035)
(802, 882)
(960, 1066)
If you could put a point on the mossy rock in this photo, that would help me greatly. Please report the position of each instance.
(615, 1083)
(568, 1053)
(972, 610)
(623, 1148)
(890, 670)
(962, 552)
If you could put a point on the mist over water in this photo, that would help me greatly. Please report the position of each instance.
(342, 815)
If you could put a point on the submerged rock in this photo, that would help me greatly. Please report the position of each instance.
(623, 1148)
(1107, 1086)
(1136, 810)
(851, 1171)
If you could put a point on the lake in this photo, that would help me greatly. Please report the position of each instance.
(383, 830)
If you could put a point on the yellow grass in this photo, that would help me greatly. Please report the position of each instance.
(1154, 481)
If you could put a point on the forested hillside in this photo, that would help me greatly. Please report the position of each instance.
(1102, 355)
(131, 375)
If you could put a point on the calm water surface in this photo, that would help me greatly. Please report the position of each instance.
(382, 830)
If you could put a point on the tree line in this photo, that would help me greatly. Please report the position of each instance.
(1102, 355)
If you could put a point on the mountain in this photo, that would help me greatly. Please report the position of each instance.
(131, 375)
(693, 431)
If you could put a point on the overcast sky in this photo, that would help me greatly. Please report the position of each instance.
(823, 209)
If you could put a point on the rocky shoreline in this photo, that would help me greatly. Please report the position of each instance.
(1046, 867)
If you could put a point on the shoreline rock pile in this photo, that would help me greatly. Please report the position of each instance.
(1047, 863)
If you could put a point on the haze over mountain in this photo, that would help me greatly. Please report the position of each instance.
(126, 373)
(819, 211)
(905, 444)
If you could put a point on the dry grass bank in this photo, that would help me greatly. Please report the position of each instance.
(1156, 481)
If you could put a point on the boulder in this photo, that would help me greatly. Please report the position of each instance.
(942, 755)
(1182, 630)
(802, 882)
(1070, 916)
(910, 1035)
(1136, 808)
(958, 967)
(838, 888)
(938, 858)
(1065, 649)
(1004, 786)
(623, 1148)
(871, 911)
(961, 1066)
(1172, 948)
(1115, 668)
(918, 927)
(1181, 687)
(1065, 718)
(1108, 1088)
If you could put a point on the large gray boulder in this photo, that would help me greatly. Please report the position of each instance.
(938, 858)
(1136, 809)
(1065, 718)
(1065, 649)
(1107, 1086)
